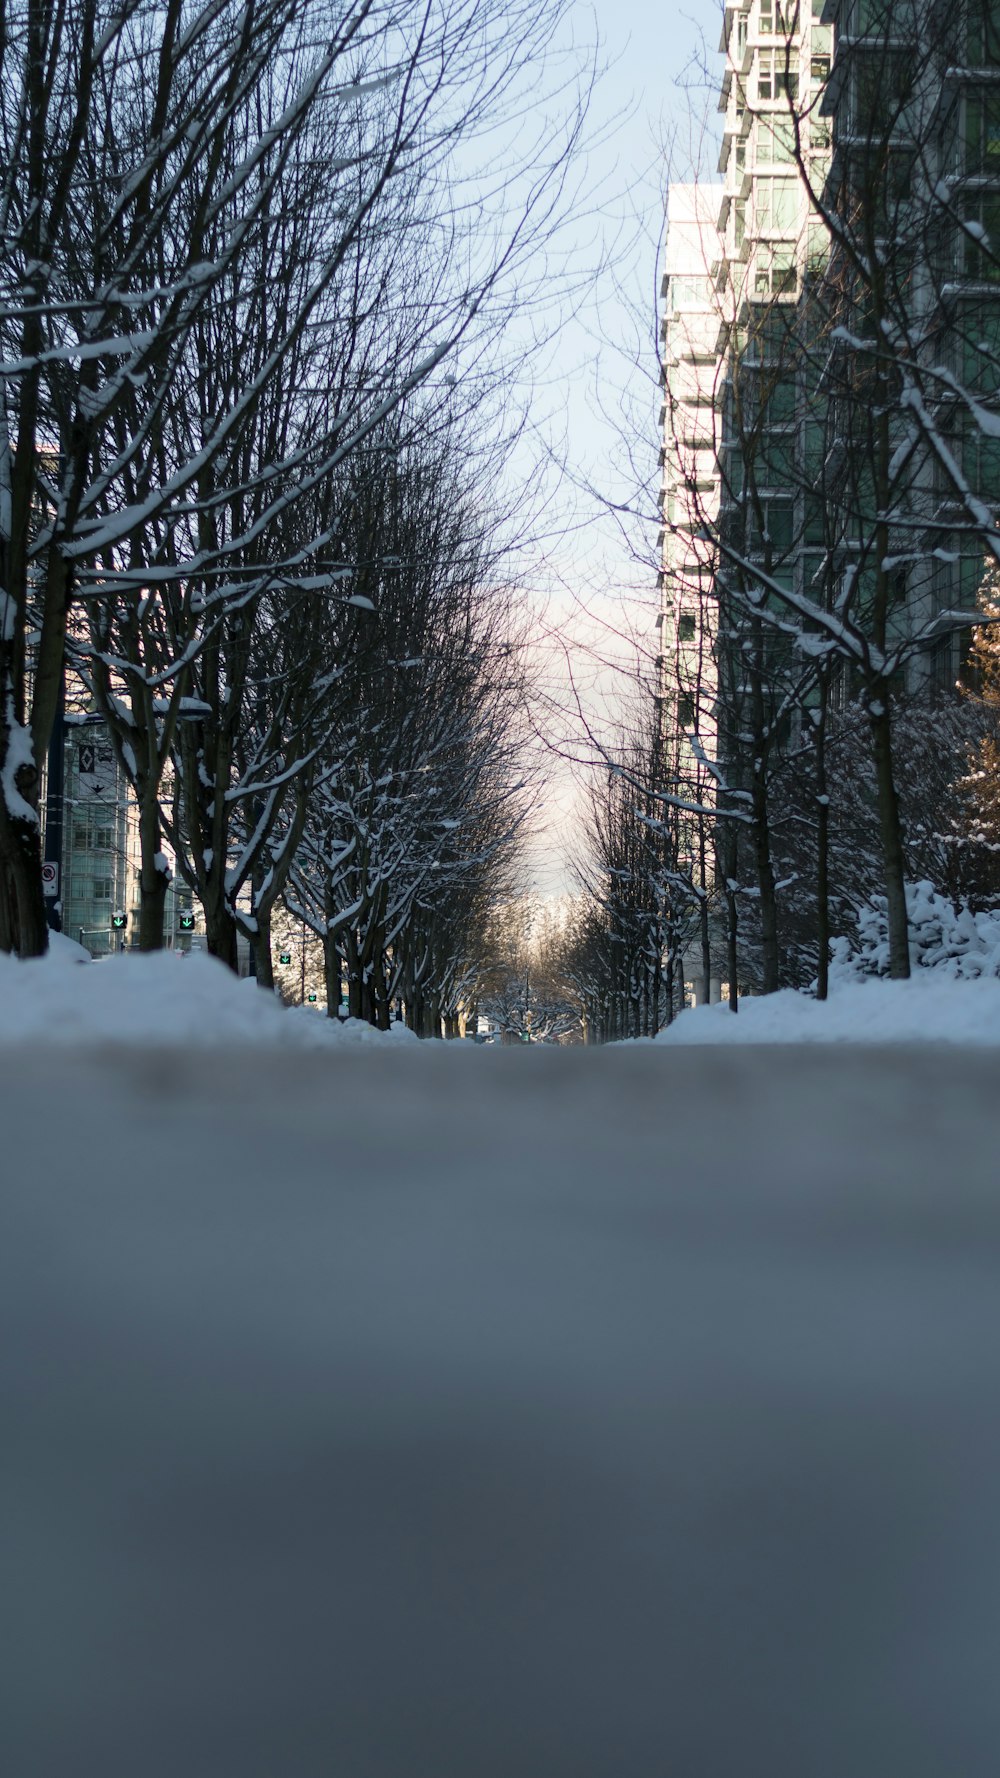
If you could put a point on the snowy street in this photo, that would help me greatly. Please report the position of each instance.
(427, 1411)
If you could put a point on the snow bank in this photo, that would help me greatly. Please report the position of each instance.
(161, 998)
(961, 944)
(932, 1007)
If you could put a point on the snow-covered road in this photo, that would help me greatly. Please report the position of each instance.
(425, 1412)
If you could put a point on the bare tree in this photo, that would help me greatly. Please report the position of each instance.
(185, 192)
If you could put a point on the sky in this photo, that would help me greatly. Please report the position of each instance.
(599, 391)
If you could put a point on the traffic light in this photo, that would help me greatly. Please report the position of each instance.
(312, 999)
(187, 922)
(119, 921)
(284, 956)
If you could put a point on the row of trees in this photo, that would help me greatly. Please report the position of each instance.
(257, 265)
(823, 585)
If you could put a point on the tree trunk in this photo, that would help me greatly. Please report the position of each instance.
(8, 910)
(331, 975)
(152, 909)
(355, 1005)
(153, 882)
(263, 959)
(220, 936)
(25, 865)
(703, 919)
(892, 836)
(822, 854)
(729, 868)
(770, 954)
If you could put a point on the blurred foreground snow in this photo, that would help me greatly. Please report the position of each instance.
(410, 1413)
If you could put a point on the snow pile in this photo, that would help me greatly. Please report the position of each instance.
(932, 1007)
(161, 998)
(952, 997)
(962, 946)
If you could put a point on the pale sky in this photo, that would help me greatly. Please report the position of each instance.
(600, 384)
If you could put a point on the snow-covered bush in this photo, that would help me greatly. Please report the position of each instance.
(962, 944)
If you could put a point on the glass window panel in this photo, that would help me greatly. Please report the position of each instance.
(780, 401)
(814, 530)
(981, 350)
(982, 132)
(983, 38)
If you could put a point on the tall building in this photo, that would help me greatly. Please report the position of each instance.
(914, 104)
(778, 59)
(689, 494)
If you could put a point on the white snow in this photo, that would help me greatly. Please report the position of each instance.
(163, 1000)
(929, 1008)
(19, 753)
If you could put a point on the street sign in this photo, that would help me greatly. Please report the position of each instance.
(284, 956)
(119, 921)
(50, 880)
(95, 768)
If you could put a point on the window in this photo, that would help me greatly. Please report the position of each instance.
(885, 18)
(815, 447)
(776, 273)
(817, 247)
(776, 206)
(775, 140)
(814, 529)
(777, 18)
(983, 33)
(982, 132)
(777, 75)
(778, 530)
(690, 292)
(981, 351)
(685, 627)
(981, 240)
(981, 465)
(685, 709)
(81, 839)
(104, 839)
(779, 400)
(881, 82)
(819, 132)
(104, 888)
(775, 465)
